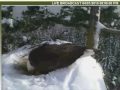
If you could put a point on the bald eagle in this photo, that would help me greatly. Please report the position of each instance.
(48, 57)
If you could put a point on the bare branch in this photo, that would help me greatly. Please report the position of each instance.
(106, 29)
(114, 31)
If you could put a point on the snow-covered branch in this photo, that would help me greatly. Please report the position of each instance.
(102, 27)
(111, 30)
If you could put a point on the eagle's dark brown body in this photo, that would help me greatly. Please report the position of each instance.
(47, 57)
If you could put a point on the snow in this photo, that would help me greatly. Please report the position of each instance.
(8, 21)
(88, 11)
(25, 38)
(67, 18)
(84, 74)
(99, 26)
(112, 24)
(98, 14)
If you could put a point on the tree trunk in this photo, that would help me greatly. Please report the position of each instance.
(94, 17)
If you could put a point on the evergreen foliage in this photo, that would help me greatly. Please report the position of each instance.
(39, 24)
(110, 17)
(74, 15)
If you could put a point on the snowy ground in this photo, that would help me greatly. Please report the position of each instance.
(84, 74)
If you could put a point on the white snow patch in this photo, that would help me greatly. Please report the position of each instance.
(4, 20)
(25, 38)
(84, 74)
(99, 26)
(112, 24)
(8, 21)
(84, 8)
(67, 18)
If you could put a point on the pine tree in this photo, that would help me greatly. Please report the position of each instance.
(74, 16)
(110, 17)
(38, 16)
(6, 29)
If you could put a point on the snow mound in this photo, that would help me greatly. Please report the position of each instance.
(84, 74)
